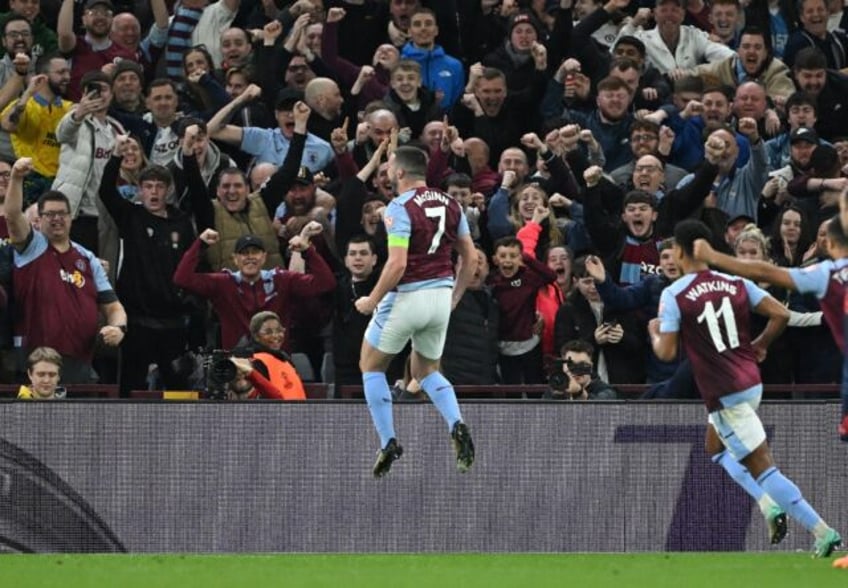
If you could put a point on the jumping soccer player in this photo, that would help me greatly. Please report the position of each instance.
(708, 313)
(413, 300)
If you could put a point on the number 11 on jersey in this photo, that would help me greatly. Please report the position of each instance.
(712, 318)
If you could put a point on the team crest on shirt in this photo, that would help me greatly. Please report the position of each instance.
(388, 221)
(80, 265)
(76, 278)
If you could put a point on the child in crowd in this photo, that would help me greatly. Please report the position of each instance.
(44, 368)
(515, 285)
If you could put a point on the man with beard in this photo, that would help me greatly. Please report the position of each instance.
(802, 142)
(32, 120)
(235, 212)
(801, 111)
(44, 37)
(610, 121)
(645, 140)
(673, 45)
(266, 145)
(813, 15)
(93, 50)
(753, 62)
(829, 88)
(128, 95)
(155, 236)
(15, 67)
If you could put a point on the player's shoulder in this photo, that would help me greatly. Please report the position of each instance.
(680, 284)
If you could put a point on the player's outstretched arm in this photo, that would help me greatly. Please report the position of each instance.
(759, 271)
(778, 317)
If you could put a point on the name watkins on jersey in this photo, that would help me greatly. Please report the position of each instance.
(707, 287)
(430, 195)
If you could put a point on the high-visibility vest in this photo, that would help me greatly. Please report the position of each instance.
(282, 376)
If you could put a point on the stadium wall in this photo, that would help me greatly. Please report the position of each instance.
(266, 477)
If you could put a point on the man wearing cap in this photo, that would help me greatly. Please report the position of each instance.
(267, 145)
(234, 212)
(523, 57)
(127, 95)
(93, 50)
(32, 120)
(801, 111)
(238, 295)
(155, 236)
(673, 45)
(43, 37)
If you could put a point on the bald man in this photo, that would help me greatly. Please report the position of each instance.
(325, 99)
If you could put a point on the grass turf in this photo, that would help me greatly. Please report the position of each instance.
(654, 570)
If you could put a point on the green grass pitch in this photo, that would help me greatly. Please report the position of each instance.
(649, 570)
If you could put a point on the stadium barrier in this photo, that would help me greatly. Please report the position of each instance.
(296, 477)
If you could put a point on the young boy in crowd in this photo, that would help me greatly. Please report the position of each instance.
(515, 285)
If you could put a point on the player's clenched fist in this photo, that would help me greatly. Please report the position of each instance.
(702, 250)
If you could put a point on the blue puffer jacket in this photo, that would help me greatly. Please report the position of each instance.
(439, 71)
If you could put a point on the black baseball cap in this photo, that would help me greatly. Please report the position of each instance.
(738, 217)
(287, 98)
(804, 134)
(304, 176)
(93, 3)
(248, 241)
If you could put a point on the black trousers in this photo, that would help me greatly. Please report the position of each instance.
(143, 346)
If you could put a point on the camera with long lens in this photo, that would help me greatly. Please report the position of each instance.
(559, 380)
(220, 372)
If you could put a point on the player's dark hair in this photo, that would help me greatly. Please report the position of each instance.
(53, 196)
(412, 160)
(577, 346)
(508, 241)
(836, 232)
(688, 231)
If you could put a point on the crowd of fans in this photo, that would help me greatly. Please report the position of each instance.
(171, 169)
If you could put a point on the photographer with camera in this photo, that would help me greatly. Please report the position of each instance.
(574, 378)
(257, 368)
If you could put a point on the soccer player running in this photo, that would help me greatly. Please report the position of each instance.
(826, 280)
(413, 300)
(708, 313)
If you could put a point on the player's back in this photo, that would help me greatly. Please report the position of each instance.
(432, 221)
(715, 331)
